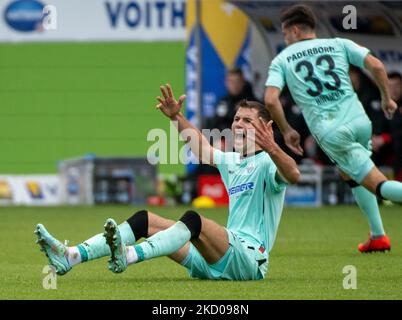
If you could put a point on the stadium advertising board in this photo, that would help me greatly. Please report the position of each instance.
(92, 20)
(30, 190)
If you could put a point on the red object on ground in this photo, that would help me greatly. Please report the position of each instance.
(213, 187)
(156, 201)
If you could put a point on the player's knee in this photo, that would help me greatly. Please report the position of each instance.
(139, 224)
(192, 220)
(352, 184)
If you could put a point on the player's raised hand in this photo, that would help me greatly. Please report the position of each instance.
(264, 135)
(389, 107)
(292, 140)
(168, 104)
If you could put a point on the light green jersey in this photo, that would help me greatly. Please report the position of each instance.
(256, 195)
(316, 73)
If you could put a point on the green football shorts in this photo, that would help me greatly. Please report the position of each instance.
(242, 261)
(349, 147)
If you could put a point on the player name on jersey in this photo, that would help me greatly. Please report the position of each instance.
(309, 52)
(330, 97)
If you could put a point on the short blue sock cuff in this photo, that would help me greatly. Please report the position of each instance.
(83, 253)
(140, 253)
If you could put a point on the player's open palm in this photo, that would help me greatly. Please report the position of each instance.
(264, 135)
(168, 104)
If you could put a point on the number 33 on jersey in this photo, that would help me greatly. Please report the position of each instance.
(316, 72)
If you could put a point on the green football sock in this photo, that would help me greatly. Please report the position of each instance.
(96, 246)
(368, 204)
(392, 190)
(162, 243)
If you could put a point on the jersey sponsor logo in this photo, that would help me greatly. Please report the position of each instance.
(242, 187)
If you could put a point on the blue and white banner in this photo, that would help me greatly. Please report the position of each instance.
(224, 37)
(92, 20)
(30, 190)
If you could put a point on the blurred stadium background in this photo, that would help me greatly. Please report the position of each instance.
(77, 103)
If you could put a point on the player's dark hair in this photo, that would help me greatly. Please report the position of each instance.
(139, 224)
(300, 15)
(236, 70)
(262, 111)
(395, 75)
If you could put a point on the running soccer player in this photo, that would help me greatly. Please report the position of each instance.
(255, 176)
(316, 72)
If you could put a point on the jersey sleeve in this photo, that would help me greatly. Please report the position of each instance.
(276, 76)
(355, 53)
(222, 161)
(275, 181)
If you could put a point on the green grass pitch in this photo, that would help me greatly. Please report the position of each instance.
(312, 247)
(64, 100)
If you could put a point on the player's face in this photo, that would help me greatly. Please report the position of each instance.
(234, 83)
(244, 131)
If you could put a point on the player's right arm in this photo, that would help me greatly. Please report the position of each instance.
(198, 144)
(274, 106)
(275, 84)
(378, 72)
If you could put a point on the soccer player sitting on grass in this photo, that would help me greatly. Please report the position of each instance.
(316, 72)
(255, 176)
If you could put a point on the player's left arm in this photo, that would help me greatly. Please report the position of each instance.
(275, 108)
(378, 72)
(264, 137)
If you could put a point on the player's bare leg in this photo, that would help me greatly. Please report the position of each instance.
(213, 241)
(377, 183)
(373, 179)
